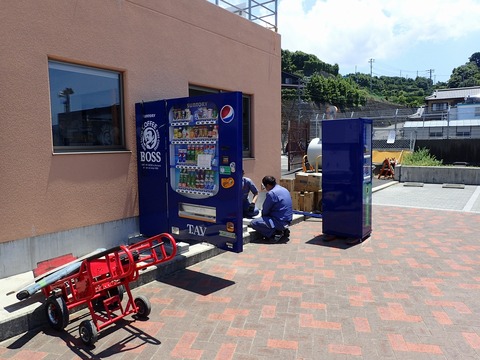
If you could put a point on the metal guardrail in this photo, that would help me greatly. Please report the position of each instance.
(262, 12)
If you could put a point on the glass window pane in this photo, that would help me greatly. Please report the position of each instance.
(86, 107)
(246, 126)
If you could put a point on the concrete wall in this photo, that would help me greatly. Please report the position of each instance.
(160, 47)
(438, 174)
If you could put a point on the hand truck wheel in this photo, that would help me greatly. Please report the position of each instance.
(57, 312)
(88, 332)
(144, 306)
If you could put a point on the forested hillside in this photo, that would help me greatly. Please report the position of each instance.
(322, 84)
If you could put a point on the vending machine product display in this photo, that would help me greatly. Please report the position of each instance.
(196, 181)
(347, 178)
(193, 151)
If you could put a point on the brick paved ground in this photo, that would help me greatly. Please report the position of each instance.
(412, 291)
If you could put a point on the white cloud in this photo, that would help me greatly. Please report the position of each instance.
(349, 32)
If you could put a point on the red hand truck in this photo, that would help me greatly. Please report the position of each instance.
(101, 282)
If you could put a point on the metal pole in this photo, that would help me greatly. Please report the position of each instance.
(276, 15)
(448, 122)
(288, 145)
(396, 113)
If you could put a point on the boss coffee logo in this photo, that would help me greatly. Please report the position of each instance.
(150, 141)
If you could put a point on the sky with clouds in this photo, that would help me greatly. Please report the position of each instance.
(403, 37)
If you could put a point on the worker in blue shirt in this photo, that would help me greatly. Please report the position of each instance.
(249, 208)
(277, 212)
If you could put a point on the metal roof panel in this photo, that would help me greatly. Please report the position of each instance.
(455, 93)
(441, 123)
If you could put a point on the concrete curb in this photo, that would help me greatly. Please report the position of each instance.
(378, 188)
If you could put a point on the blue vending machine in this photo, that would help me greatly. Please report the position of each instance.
(347, 178)
(193, 190)
(152, 167)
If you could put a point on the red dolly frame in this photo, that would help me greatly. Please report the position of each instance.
(101, 282)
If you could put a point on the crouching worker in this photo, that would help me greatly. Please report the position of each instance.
(249, 208)
(276, 212)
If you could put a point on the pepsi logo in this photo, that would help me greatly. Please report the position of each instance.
(227, 114)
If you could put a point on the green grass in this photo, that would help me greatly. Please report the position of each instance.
(421, 157)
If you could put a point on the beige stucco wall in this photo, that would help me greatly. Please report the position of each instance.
(162, 47)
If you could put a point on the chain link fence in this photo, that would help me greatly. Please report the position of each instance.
(389, 134)
(450, 134)
(388, 127)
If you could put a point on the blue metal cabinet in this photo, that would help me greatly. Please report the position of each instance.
(347, 177)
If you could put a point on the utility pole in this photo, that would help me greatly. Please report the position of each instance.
(431, 71)
(371, 72)
(65, 93)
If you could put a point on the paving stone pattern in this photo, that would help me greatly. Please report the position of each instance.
(411, 291)
(431, 196)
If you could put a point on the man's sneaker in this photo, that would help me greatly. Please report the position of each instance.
(279, 235)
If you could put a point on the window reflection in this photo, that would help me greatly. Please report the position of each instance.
(86, 108)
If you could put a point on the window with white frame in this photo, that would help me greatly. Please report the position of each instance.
(86, 107)
(246, 116)
(463, 131)
(435, 132)
(439, 106)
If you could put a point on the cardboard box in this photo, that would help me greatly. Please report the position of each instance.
(304, 200)
(301, 181)
(314, 182)
(308, 201)
(288, 184)
(297, 200)
(317, 200)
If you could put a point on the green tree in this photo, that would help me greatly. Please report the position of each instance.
(301, 63)
(465, 75)
(287, 64)
(475, 58)
(341, 92)
(423, 83)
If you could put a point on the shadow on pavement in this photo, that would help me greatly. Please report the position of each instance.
(337, 243)
(136, 338)
(196, 282)
(266, 242)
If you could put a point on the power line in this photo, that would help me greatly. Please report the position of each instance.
(386, 70)
(390, 71)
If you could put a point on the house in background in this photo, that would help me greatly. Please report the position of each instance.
(442, 99)
(291, 81)
(448, 126)
(72, 73)
(448, 114)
